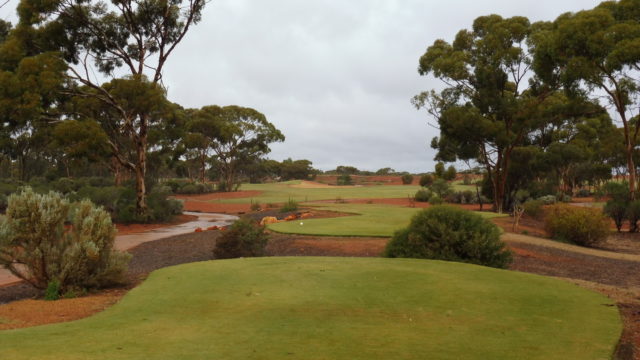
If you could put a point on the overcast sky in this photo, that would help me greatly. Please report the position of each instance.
(335, 76)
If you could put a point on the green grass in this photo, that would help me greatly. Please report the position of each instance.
(335, 308)
(281, 192)
(368, 220)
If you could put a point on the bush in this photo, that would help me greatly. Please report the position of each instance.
(407, 179)
(255, 206)
(450, 173)
(583, 193)
(423, 195)
(617, 190)
(426, 180)
(33, 234)
(547, 199)
(435, 200)
(462, 197)
(576, 225)
(441, 188)
(344, 179)
(633, 215)
(534, 208)
(450, 234)
(616, 210)
(466, 179)
(290, 205)
(244, 239)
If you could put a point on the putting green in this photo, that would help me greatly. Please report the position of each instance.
(335, 308)
(368, 220)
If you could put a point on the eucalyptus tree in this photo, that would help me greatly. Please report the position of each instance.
(597, 52)
(231, 136)
(489, 104)
(127, 42)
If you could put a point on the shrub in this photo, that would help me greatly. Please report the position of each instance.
(534, 208)
(53, 291)
(426, 180)
(3, 202)
(435, 200)
(188, 189)
(547, 199)
(441, 188)
(451, 234)
(255, 206)
(580, 226)
(462, 197)
(616, 210)
(450, 173)
(423, 195)
(583, 193)
(344, 179)
(81, 255)
(617, 190)
(244, 239)
(290, 205)
(407, 179)
(633, 215)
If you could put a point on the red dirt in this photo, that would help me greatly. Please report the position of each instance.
(126, 229)
(26, 313)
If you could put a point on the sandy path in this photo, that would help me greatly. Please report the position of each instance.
(510, 237)
(130, 241)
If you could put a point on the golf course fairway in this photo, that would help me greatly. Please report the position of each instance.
(335, 308)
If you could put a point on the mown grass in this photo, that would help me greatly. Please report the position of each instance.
(335, 308)
(367, 220)
(282, 192)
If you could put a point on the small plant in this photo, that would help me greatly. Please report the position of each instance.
(534, 208)
(423, 195)
(407, 179)
(441, 188)
(340, 200)
(52, 292)
(580, 226)
(255, 206)
(243, 239)
(633, 215)
(290, 205)
(435, 200)
(616, 210)
(450, 234)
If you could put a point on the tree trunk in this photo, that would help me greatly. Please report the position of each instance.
(632, 172)
(202, 160)
(141, 171)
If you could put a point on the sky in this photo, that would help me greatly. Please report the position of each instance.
(336, 77)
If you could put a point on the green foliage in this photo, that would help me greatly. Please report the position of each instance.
(426, 180)
(577, 225)
(462, 197)
(534, 208)
(616, 210)
(450, 173)
(548, 199)
(436, 200)
(450, 234)
(244, 238)
(439, 170)
(407, 179)
(290, 205)
(618, 191)
(633, 215)
(52, 292)
(423, 195)
(33, 234)
(344, 179)
(441, 188)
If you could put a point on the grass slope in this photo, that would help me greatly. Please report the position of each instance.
(335, 308)
(281, 192)
(368, 220)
